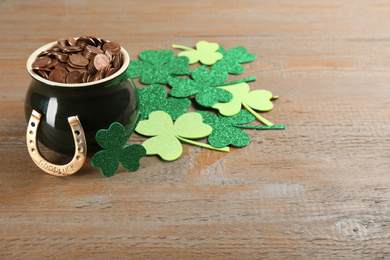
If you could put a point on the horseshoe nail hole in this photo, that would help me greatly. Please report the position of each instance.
(79, 141)
(77, 132)
(33, 150)
(32, 124)
(80, 149)
(78, 158)
(31, 142)
(31, 132)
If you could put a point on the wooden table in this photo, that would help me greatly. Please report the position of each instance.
(318, 190)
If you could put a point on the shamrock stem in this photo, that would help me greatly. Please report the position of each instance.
(262, 127)
(182, 47)
(224, 149)
(260, 118)
(238, 81)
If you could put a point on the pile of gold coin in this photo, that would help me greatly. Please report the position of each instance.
(83, 60)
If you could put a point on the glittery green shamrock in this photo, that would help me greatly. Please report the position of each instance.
(203, 84)
(232, 59)
(206, 52)
(255, 100)
(113, 139)
(158, 66)
(226, 129)
(165, 134)
(154, 98)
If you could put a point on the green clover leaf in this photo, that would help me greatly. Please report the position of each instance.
(113, 139)
(206, 53)
(232, 59)
(166, 135)
(107, 162)
(158, 66)
(258, 100)
(202, 85)
(154, 98)
(225, 129)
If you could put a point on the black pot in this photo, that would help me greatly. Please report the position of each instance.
(97, 104)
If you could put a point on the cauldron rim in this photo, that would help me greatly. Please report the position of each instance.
(34, 55)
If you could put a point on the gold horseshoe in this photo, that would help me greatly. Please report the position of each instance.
(58, 170)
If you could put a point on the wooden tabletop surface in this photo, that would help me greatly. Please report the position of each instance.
(319, 189)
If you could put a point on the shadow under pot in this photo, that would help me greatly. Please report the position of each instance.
(89, 107)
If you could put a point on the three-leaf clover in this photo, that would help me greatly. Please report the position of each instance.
(232, 59)
(165, 134)
(225, 129)
(113, 139)
(203, 85)
(206, 52)
(254, 100)
(154, 98)
(158, 66)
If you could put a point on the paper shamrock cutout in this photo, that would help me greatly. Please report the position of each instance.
(206, 52)
(258, 100)
(113, 139)
(226, 129)
(154, 98)
(203, 84)
(158, 66)
(166, 134)
(232, 59)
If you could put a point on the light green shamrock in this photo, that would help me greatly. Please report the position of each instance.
(206, 52)
(255, 100)
(166, 134)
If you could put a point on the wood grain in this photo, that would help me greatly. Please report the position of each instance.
(318, 190)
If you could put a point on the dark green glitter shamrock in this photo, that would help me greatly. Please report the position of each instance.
(225, 129)
(203, 84)
(158, 66)
(232, 58)
(154, 98)
(113, 139)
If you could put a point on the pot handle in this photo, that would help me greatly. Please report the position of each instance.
(58, 170)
